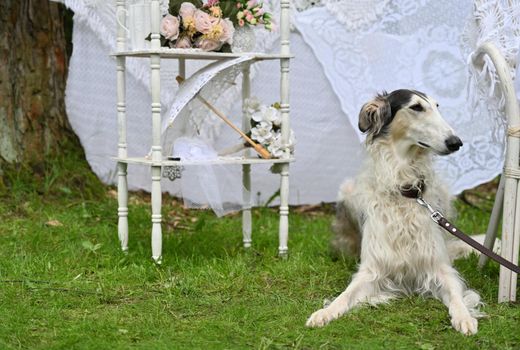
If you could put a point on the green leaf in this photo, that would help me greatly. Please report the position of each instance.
(272, 198)
(225, 48)
(87, 245)
(65, 190)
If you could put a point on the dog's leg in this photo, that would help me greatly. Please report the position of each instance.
(452, 295)
(347, 238)
(361, 289)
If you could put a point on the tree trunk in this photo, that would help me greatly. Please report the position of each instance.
(33, 73)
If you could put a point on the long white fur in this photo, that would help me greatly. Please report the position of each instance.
(402, 250)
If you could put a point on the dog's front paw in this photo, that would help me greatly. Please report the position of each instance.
(319, 319)
(466, 325)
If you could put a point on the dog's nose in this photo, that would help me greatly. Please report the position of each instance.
(453, 143)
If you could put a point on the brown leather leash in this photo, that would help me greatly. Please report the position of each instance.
(415, 192)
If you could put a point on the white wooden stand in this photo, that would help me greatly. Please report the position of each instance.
(509, 188)
(157, 161)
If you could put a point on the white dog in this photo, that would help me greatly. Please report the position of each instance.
(402, 249)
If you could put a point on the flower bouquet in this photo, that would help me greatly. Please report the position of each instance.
(266, 122)
(210, 25)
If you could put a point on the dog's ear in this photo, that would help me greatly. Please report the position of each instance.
(374, 115)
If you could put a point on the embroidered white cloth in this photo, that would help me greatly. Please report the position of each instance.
(417, 44)
(336, 69)
(202, 185)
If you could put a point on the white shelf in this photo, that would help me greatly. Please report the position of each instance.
(155, 56)
(221, 160)
(195, 54)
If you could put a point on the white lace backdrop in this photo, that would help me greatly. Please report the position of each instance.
(346, 51)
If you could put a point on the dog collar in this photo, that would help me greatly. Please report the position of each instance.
(412, 191)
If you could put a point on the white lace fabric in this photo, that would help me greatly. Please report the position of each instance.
(356, 14)
(407, 44)
(415, 44)
(497, 22)
(213, 185)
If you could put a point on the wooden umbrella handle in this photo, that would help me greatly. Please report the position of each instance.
(256, 146)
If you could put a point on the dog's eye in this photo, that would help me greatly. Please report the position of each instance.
(417, 107)
(437, 105)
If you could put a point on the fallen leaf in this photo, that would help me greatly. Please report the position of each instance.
(53, 223)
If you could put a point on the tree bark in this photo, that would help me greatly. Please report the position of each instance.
(33, 73)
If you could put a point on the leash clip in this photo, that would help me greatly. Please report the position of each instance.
(434, 214)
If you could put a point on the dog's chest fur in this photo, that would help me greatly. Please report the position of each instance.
(405, 238)
(397, 233)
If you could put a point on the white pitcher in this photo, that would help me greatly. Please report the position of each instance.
(138, 21)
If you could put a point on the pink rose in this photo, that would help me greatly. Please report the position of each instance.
(203, 22)
(241, 22)
(208, 44)
(170, 27)
(183, 43)
(211, 3)
(251, 4)
(187, 10)
(227, 31)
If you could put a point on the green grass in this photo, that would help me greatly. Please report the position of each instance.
(70, 287)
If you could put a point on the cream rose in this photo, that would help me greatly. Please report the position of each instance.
(208, 44)
(187, 10)
(227, 31)
(170, 27)
(203, 22)
(183, 43)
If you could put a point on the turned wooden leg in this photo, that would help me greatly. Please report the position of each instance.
(246, 209)
(284, 210)
(246, 168)
(155, 89)
(122, 211)
(156, 215)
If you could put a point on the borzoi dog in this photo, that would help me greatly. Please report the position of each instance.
(402, 249)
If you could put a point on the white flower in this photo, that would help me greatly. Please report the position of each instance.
(275, 147)
(262, 133)
(259, 115)
(273, 115)
(252, 105)
(269, 115)
(265, 120)
(278, 149)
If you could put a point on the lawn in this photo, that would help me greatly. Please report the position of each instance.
(66, 284)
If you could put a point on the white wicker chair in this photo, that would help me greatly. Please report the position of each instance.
(507, 199)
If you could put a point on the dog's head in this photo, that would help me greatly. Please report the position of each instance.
(411, 119)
